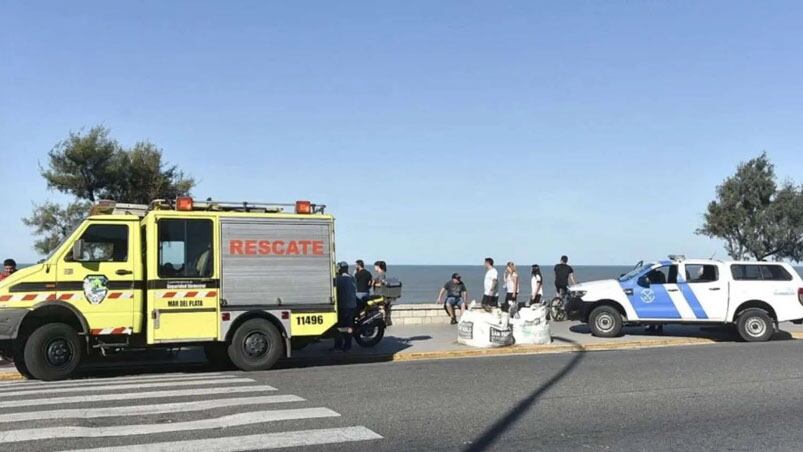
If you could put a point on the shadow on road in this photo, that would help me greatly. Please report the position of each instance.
(490, 435)
(717, 333)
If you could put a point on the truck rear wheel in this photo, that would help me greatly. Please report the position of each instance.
(755, 325)
(605, 321)
(52, 352)
(256, 345)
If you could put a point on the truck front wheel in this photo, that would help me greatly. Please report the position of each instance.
(256, 345)
(605, 321)
(755, 325)
(52, 352)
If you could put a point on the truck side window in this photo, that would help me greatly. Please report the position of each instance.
(104, 243)
(746, 272)
(775, 273)
(668, 274)
(696, 273)
(185, 248)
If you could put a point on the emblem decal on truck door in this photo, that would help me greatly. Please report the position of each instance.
(96, 288)
(647, 296)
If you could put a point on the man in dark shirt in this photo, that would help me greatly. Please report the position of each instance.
(346, 307)
(363, 278)
(564, 276)
(456, 295)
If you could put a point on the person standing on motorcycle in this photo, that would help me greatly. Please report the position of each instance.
(456, 295)
(378, 282)
(363, 278)
(346, 307)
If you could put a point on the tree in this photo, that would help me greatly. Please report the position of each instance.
(83, 165)
(755, 217)
(142, 176)
(55, 222)
(93, 166)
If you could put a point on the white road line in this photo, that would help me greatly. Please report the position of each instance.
(161, 384)
(36, 383)
(254, 442)
(103, 382)
(249, 418)
(136, 410)
(134, 396)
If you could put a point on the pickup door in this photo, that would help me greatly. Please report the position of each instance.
(705, 289)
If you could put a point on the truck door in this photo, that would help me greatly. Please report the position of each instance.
(704, 290)
(656, 298)
(101, 274)
(183, 284)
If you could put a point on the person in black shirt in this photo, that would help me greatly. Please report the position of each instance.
(363, 278)
(346, 307)
(564, 276)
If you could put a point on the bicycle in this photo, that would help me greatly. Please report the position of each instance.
(556, 307)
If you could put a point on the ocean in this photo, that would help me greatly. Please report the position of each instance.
(421, 283)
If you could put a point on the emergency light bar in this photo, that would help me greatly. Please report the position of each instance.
(677, 257)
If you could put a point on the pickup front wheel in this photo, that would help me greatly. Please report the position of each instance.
(52, 352)
(605, 321)
(755, 325)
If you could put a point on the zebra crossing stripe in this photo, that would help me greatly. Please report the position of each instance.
(248, 418)
(101, 382)
(254, 442)
(138, 410)
(134, 396)
(161, 384)
(175, 376)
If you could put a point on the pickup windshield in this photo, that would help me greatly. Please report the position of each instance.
(635, 271)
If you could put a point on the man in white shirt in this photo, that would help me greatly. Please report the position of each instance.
(490, 298)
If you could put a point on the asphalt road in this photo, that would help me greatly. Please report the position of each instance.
(724, 396)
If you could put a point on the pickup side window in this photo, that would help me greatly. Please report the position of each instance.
(104, 243)
(667, 274)
(185, 248)
(701, 273)
(775, 273)
(760, 272)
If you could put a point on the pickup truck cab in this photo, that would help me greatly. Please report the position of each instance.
(754, 296)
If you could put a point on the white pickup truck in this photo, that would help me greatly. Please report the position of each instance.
(754, 296)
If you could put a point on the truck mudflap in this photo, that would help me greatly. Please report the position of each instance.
(10, 320)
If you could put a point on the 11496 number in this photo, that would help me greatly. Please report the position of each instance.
(310, 320)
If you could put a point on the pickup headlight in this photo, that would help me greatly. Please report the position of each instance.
(577, 293)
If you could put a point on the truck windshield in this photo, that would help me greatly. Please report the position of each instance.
(635, 271)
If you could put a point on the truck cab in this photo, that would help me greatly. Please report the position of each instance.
(754, 296)
(244, 280)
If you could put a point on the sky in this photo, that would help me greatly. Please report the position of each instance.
(436, 132)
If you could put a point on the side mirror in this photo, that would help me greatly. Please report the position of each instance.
(643, 281)
(78, 250)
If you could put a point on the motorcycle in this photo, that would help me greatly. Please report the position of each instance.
(370, 324)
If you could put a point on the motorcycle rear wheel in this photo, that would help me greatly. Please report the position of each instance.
(368, 336)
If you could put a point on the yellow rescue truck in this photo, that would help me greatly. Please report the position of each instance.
(245, 280)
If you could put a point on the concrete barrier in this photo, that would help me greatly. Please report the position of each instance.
(419, 314)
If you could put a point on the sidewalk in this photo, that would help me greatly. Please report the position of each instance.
(438, 341)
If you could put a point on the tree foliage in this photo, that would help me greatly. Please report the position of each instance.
(53, 223)
(754, 216)
(93, 166)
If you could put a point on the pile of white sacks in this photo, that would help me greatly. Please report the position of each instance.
(495, 328)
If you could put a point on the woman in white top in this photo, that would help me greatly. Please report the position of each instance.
(511, 285)
(537, 285)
